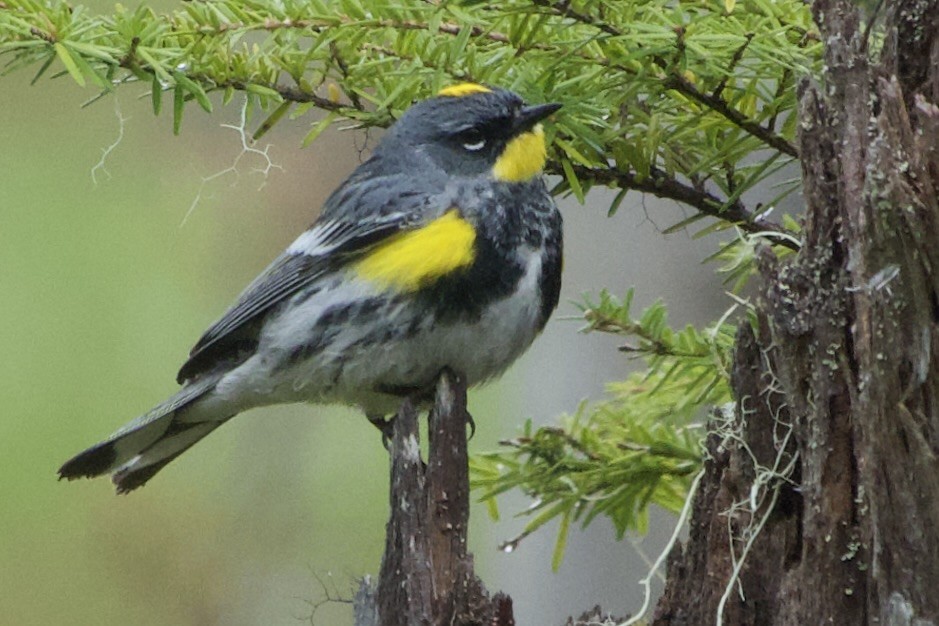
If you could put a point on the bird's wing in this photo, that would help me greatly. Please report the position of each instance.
(328, 244)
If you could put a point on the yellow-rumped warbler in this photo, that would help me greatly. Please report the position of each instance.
(443, 249)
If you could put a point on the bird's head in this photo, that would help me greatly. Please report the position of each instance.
(471, 130)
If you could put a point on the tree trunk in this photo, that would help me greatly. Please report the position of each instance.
(820, 504)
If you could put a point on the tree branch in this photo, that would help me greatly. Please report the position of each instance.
(682, 85)
(662, 186)
(679, 83)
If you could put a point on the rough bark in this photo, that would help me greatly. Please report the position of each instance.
(427, 576)
(829, 470)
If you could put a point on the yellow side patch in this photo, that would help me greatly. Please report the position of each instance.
(463, 89)
(411, 260)
(523, 157)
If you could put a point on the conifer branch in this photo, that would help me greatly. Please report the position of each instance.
(679, 83)
(717, 104)
(664, 186)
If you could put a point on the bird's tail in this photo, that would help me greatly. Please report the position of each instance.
(142, 448)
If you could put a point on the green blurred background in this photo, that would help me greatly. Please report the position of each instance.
(106, 285)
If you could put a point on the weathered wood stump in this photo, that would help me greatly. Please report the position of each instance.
(427, 576)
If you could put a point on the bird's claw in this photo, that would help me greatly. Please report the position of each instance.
(386, 426)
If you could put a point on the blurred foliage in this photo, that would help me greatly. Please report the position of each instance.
(691, 100)
(104, 291)
(640, 446)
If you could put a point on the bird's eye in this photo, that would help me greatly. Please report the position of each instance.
(473, 140)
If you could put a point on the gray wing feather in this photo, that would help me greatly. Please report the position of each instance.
(290, 272)
(368, 207)
(284, 276)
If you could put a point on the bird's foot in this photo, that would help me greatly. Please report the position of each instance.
(386, 426)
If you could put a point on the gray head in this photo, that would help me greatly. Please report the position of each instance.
(471, 130)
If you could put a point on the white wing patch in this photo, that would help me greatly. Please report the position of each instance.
(324, 237)
(318, 240)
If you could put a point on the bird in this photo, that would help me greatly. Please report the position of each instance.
(443, 249)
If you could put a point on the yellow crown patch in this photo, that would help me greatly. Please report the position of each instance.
(463, 89)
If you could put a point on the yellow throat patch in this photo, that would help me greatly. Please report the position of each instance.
(463, 89)
(523, 158)
(414, 259)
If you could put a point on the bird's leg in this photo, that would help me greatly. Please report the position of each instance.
(386, 426)
(417, 397)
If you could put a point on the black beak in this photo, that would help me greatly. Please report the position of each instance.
(529, 116)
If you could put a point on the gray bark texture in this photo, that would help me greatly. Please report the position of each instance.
(820, 502)
(427, 576)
